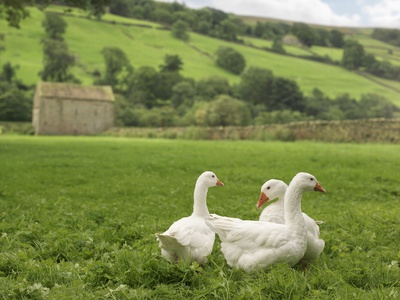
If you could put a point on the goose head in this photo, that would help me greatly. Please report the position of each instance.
(307, 182)
(209, 179)
(270, 190)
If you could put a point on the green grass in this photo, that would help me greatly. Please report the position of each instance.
(78, 217)
(375, 47)
(295, 50)
(148, 46)
(334, 53)
(379, 49)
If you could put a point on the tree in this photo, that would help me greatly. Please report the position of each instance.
(141, 87)
(209, 88)
(57, 62)
(180, 30)
(203, 27)
(157, 116)
(353, 55)
(165, 82)
(336, 38)
(15, 102)
(120, 8)
(56, 57)
(225, 110)
(54, 26)
(163, 16)
(118, 69)
(375, 106)
(286, 94)
(187, 16)
(321, 37)
(15, 10)
(203, 22)
(255, 86)
(172, 63)
(168, 76)
(125, 112)
(259, 29)
(216, 16)
(15, 105)
(183, 93)
(227, 30)
(8, 72)
(347, 105)
(304, 33)
(230, 59)
(2, 48)
(277, 45)
(317, 104)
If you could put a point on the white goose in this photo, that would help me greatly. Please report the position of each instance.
(254, 245)
(275, 213)
(189, 238)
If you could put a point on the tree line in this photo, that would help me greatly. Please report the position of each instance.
(216, 23)
(163, 97)
(147, 96)
(390, 36)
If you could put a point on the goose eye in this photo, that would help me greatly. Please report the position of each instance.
(212, 176)
(268, 188)
(312, 179)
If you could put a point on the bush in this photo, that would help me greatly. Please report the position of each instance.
(230, 60)
(209, 88)
(224, 111)
(15, 105)
(157, 117)
(280, 117)
(180, 30)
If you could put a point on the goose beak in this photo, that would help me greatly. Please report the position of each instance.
(319, 188)
(261, 200)
(220, 183)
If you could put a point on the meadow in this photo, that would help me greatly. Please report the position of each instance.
(78, 217)
(147, 46)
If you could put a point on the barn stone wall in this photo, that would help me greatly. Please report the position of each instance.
(61, 109)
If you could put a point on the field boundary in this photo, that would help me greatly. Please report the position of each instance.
(359, 131)
(345, 131)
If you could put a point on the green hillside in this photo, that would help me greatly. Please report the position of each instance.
(147, 46)
(380, 49)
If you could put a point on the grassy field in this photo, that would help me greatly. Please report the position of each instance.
(379, 49)
(294, 50)
(148, 46)
(78, 217)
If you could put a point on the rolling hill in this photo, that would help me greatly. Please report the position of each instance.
(147, 43)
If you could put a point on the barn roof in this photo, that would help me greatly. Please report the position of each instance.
(73, 91)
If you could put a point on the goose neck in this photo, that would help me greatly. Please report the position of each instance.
(200, 201)
(293, 214)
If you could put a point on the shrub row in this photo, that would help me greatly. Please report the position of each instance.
(366, 130)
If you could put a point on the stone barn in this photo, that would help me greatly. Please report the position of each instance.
(66, 109)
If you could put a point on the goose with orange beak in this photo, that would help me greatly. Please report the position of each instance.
(255, 245)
